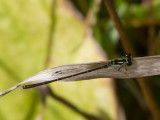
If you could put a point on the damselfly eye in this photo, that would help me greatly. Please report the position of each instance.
(127, 54)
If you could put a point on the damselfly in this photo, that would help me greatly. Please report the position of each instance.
(125, 61)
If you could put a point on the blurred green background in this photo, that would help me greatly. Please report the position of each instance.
(40, 34)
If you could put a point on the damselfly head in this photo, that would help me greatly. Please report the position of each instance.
(128, 54)
(128, 59)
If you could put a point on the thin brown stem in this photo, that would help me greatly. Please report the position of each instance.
(119, 26)
(151, 30)
(48, 89)
(146, 91)
(43, 89)
(50, 39)
(149, 98)
(73, 107)
(151, 51)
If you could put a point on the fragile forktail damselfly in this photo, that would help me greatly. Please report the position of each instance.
(125, 61)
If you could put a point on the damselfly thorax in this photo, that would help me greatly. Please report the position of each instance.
(125, 61)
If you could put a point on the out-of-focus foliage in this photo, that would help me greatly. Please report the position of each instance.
(24, 34)
(23, 40)
(137, 16)
(25, 28)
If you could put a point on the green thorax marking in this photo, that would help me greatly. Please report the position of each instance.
(121, 61)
